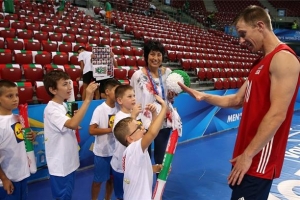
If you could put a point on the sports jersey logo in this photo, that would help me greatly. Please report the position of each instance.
(17, 128)
(111, 119)
(248, 91)
(259, 69)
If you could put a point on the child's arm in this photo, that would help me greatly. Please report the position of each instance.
(152, 108)
(7, 184)
(74, 122)
(155, 125)
(95, 130)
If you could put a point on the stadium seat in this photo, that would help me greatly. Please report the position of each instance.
(94, 40)
(72, 30)
(11, 72)
(8, 33)
(55, 37)
(218, 84)
(52, 22)
(33, 72)
(105, 34)
(50, 67)
(73, 57)
(23, 57)
(81, 38)
(43, 57)
(33, 26)
(116, 42)
(41, 93)
(117, 50)
(60, 29)
(95, 33)
(128, 51)
(75, 24)
(4, 23)
(131, 72)
(185, 63)
(74, 71)
(14, 44)
(84, 32)
(18, 25)
(13, 17)
(120, 60)
(105, 41)
(130, 61)
(5, 56)
(171, 56)
(25, 90)
(60, 58)
(85, 26)
(65, 47)
(138, 52)
(40, 36)
(47, 28)
(69, 38)
(115, 36)
(126, 43)
(39, 20)
(120, 74)
(49, 46)
(25, 34)
(140, 61)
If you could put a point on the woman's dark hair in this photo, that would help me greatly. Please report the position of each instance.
(153, 45)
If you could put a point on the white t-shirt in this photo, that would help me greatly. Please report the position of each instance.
(104, 116)
(138, 173)
(116, 161)
(142, 86)
(85, 56)
(60, 142)
(13, 157)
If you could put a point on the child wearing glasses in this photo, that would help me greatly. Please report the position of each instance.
(101, 127)
(125, 98)
(138, 170)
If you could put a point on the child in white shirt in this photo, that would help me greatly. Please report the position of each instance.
(138, 170)
(101, 127)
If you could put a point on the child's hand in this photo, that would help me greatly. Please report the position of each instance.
(91, 88)
(171, 95)
(31, 135)
(136, 110)
(157, 168)
(8, 186)
(159, 100)
(151, 107)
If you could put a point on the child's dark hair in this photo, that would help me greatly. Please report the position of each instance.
(121, 130)
(51, 79)
(110, 83)
(153, 45)
(6, 84)
(120, 91)
(80, 48)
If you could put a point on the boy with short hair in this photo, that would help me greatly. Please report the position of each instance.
(14, 167)
(101, 127)
(84, 59)
(61, 145)
(138, 171)
(125, 98)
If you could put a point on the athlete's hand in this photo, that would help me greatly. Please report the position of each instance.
(241, 164)
(194, 93)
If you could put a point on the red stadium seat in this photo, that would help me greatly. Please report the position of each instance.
(40, 36)
(69, 38)
(117, 50)
(4, 23)
(105, 34)
(52, 22)
(75, 24)
(49, 46)
(105, 41)
(82, 39)
(41, 93)
(65, 47)
(25, 34)
(120, 60)
(131, 72)
(138, 52)
(116, 42)
(23, 57)
(120, 74)
(60, 58)
(115, 36)
(8, 33)
(14, 44)
(47, 28)
(74, 71)
(95, 33)
(5, 56)
(50, 67)
(185, 63)
(171, 55)
(218, 84)
(42, 57)
(72, 30)
(60, 29)
(84, 32)
(33, 72)
(64, 23)
(94, 40)
(25, 90)
(126, 43)
(141, 61)
(128, 51)
(55, 37)
(130, 61)
(11, 17)
(18, 25)
(2, 43)
(74, 58)
(11, 72)
(33, 26)
(39, 20)
(85, 26)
